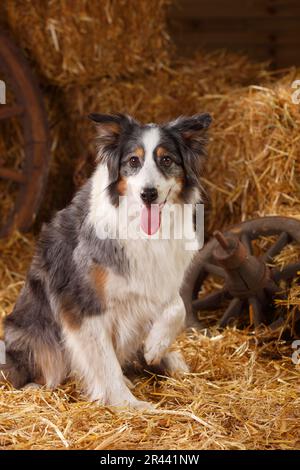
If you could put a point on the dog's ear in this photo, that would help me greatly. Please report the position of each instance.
(192, 130)
(110, 129)
(191, 133)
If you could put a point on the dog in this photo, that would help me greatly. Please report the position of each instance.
(94, 300)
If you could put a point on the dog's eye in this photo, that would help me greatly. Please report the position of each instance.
(166, 161)
(134, 162)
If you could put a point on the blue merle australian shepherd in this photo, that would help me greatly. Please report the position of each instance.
(93, 301)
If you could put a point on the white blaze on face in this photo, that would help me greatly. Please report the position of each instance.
(151, 178)
(148, 177)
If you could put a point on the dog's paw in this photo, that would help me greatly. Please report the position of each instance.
(174, 363)
(154, 349)
(141, 405)
(134, 404)
(32, 386)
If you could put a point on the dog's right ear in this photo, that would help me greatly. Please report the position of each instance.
(109, 130)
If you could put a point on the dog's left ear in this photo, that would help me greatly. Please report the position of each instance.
(192, 135)
(192, 130)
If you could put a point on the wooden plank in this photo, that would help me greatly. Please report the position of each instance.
(287, 56)
(287, 8)
(200, 39)
(190, 41)
(229, 33)
(197, 9)
(264, 29)
(282, 55)
(257, 25)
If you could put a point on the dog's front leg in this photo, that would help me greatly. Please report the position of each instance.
(93, 358)
(164, 331)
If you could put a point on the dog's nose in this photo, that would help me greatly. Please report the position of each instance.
(149, 195)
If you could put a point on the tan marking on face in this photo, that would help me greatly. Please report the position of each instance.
(71, 319)
(139, 152)
(99, 278)
(161, 152)
(122, 186)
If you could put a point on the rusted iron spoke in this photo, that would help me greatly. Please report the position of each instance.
(233, 311)
(12, 175)
(286, 273)
(210, 301)
(214, 269)
(7, 112)
(246, 241)
(258, 316)
(282, 241)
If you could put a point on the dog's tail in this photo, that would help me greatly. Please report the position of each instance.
(11, 370)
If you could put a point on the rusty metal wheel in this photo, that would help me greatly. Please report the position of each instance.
(24, 106)
(246, 279)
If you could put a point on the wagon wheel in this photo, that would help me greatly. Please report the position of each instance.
(247, 280)
(27, 107)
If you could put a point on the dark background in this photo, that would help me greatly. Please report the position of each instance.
(264, 29)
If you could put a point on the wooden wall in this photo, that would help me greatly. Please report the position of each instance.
(265, 29)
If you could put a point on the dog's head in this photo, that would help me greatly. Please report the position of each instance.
(152, 164)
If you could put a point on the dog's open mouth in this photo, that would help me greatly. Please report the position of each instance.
(151, 218)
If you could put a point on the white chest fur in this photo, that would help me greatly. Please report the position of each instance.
(156, 270)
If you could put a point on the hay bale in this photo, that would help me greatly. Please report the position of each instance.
(62, 159)
(254, 167)
(168, 92)
(78, 42)
(186, 88)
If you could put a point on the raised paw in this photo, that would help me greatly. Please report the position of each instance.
(154, 349)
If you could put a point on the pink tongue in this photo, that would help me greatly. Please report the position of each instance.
(150, 219)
